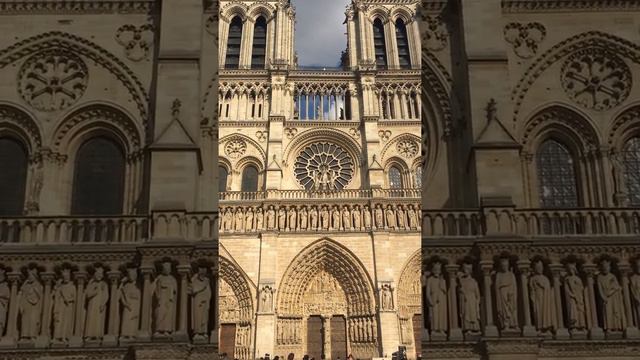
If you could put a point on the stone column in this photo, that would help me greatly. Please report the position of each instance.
(630, 332)
(213, 339)
(528, 329)
(489, 328)
(45, 336)
(145, 312)
(595, 331)
(182, 334)
(10, 339)
(561, 330)
(326, 336)
(78, 333)
(111, 339)
(455, 333)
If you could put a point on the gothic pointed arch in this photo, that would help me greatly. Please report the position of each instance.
(235, 147)
(339, 269)
(235, 302)
(409, 302)
(587, 40)
(61, 41)
(21, 124)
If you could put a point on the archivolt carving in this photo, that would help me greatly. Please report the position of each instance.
(234, 8)
(595, 39)
(318, 135)
(330, 257)
(567, 119)
(401, 11)
(410, 287)
(239, 88)
(623, 126)
(251, 147)
(20, 121)
(241, 296)
(263, 8)
(56, 40)
(97, 116)
(395, 146)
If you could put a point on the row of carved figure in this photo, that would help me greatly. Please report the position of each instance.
(315, 218)
(69, 307)
(562, 300)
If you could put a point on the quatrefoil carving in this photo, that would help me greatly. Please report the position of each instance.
(525, 38)
(136, 40)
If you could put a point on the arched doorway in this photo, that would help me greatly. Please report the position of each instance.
(326, 305)
(235, 306)
(410, 305)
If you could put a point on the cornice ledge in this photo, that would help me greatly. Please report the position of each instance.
(34, 7)
(524, 6)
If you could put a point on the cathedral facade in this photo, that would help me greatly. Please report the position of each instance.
(530, 208)
(319, 173)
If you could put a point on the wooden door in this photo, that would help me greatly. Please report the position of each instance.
(228, 340)
(314, 337)
(417, 334)
(338, 338)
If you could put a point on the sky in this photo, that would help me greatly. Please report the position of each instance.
(320, 32)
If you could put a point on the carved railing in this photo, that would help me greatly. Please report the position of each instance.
(577, 222)
(68, 229)
(452, 223)
(347, 194)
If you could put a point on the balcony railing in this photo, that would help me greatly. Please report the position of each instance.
(67, 229)
(237, 196)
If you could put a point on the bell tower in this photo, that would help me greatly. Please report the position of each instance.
(256, 35)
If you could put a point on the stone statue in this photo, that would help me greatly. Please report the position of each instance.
(336, 218)
(303, 219)
(165, 291)
(96, 297)
(506, 296)
(634, 285)
(229, 218)
(574, 296)
(346, 218)
(379, 217)
(355, 215)
(248, 219)
(266, 299)
(64, 306)
(293, 214)
(282, 218)
(391, 217)
(31, 296)
(387, 297)
(200, 290)
(436, 294)
(239, 220)
(541, 298)
(610, 293)
(130, 299)
(5, 295)
(325, 218)
(469, 297)
(259, 219)
(367, 217)
(313, 218)
(401, 217)
(271, 218)
(413, 217)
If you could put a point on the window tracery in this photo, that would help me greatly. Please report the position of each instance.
(324, 166)
(395, 178)
(234, 41)
(631, 159)
(556, 176)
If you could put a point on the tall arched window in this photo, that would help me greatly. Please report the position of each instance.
(556, 176)
(379, 44)
(631, 158)
(98, 184)
(13, 176)
(250, 179)
(418, 177)
(403, 45)
(222, 178)
(234, 41)
(258, 53)
(395, 178)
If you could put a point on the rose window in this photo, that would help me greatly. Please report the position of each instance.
(596, 79)
(324, 167)
(53, 80)
(235, 148)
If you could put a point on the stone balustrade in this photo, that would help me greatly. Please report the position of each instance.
(565, 290)
(65, 229)
(345, 194)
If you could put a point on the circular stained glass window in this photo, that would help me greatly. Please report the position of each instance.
(324, 167)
